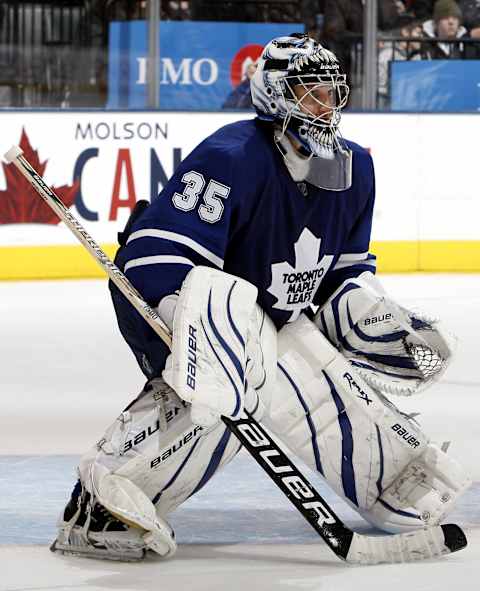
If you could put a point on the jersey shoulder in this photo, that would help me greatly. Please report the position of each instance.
(358, 150)
(363, 169)
(234, 147)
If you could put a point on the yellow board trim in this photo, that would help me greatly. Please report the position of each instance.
(74, 262)
(50, 262)
(435, 256)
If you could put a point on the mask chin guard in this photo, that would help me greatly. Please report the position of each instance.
(332, 174)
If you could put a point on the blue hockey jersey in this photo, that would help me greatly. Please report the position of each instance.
(232, 204)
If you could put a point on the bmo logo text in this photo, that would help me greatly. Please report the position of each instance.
(203, 71)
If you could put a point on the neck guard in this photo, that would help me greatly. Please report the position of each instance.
(333, 173)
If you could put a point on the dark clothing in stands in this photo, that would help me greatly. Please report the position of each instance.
(280, 11)
(240, 97)
(423, 9)
(343, 26)
(471, 13)
(346, 16)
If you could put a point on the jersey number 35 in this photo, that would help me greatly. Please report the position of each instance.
(211, 208)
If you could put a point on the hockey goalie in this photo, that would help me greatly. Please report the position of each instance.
(256, 255)
(318, 399)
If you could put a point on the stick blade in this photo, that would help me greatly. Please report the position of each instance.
(420, 544)
(13, 154)
(455, 538)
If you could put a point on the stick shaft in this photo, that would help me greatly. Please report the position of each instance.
(113, 272)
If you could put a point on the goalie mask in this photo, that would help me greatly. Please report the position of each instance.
(298, 85)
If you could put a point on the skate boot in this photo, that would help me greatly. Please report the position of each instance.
(87, 529)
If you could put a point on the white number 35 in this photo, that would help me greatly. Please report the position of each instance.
(211, 208)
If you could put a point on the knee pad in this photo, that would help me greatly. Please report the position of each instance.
(421, 495)
(369, 452)
(154, 445)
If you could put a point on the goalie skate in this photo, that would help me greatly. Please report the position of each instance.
(89, 530)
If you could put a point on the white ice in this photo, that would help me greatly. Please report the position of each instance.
(66, 373)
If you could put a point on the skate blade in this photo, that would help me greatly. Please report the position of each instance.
(97, 553)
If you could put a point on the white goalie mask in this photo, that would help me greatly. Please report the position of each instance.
(298, 85)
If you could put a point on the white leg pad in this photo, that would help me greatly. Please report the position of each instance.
(152, 458)
(425, 491)
(364, 447)
(130, 504)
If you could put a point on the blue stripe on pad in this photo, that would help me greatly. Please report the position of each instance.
(234, 359)
(380, 474)
(311, 426)
(348, 472)
(214, 461)
(156, 498)
(232, 381)
(230, 319)
(385, 338)
(398, 511)
(335, 304)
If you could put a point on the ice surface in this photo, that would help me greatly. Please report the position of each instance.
(65, 375)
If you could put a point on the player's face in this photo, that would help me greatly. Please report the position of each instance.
(317, 100)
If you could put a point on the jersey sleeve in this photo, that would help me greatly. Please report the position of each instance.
(189, 224)
(355, 257)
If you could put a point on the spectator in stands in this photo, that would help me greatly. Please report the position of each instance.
(471, 21)
(345, 17)
(343, 29)
(423, 10)
(399, 51)
(446, 24)
(241, 97)
(175, 10)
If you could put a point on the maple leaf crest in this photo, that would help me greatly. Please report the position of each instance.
(294, 287)
(20, 203)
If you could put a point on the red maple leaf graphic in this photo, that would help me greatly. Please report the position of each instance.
(20, 203)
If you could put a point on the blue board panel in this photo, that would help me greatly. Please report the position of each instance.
(435, 86)
(200, 62)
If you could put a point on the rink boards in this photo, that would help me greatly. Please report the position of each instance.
(102, 163)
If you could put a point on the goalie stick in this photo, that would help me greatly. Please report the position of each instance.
(350, 546)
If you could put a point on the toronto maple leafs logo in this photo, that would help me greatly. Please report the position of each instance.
(294, 287)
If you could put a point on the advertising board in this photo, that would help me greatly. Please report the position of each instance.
(101, 164)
